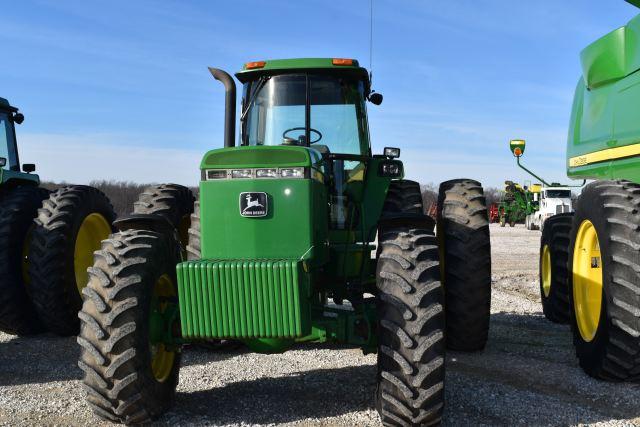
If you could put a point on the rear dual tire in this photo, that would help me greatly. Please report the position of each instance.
(465, 254)
(18, 209)
(69, 227)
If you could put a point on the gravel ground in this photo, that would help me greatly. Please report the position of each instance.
(528, 374)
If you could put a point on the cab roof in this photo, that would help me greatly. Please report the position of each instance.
(4, 105)
(252, 70)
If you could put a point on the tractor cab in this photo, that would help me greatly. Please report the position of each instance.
(9, 162)
(319, 104)
(8, 148)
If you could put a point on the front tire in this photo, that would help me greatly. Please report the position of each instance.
(130, 377)
(465, 248)
(19, 207)
(604, 289)
(411, 347)
(69, 228)
(553, 270)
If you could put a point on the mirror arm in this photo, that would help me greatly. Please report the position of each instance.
(531, 173)
(584, 181)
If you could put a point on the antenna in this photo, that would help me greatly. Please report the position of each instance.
(370, 41)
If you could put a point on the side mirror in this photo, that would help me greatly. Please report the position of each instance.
(29, 167)
(517, 147)
(391, 152)
(3, 162)
(18, 118)
(375, 98)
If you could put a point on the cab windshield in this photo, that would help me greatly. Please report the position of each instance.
(558, 194)
(7, 141)
(275, 113)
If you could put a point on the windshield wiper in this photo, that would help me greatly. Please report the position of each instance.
(261, 82)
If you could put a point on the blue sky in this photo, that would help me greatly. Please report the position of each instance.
(120, 89)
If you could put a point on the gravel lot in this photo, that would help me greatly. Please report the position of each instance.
(528, 373)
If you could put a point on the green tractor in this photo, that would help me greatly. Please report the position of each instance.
(47, 241)
(516, 203)
(590, 259)
(282, 250)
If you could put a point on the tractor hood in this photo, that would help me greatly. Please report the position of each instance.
(265, 202)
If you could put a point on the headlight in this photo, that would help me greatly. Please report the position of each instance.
(216, 174)
(390, 168)
(266, 173)
(241, 173)
(292, 172)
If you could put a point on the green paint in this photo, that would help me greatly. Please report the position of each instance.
(267, 280)
(604, 114)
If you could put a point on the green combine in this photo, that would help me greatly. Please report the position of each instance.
(589, 260)
(47, 241)
(301, 234)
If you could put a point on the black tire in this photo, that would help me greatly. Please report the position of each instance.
(411, 347)
(613, 207)
(115, 334)
(19, 207)
(403, 196)
(172, 201)
(555, 237)
(57, 274)
(465, 248)
(194, 248)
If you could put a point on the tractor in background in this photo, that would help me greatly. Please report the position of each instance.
(47, 241)
(301, 234)
(516, 204)
(589, 259)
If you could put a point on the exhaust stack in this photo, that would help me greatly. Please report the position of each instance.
(229, 104)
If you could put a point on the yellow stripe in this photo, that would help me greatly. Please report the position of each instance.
(604, 155)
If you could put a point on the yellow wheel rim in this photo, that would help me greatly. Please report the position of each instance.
(587, 280)
(162, 359)
(546, 271)
(93, 230)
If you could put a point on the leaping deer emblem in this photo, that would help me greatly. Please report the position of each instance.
(252, 203)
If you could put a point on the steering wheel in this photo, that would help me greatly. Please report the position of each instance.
(300, 141)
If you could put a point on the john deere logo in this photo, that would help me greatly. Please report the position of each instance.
(253, 204)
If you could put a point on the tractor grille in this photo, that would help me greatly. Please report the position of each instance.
(562, 209)
(243, 299)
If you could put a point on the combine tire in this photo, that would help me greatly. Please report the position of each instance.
(69, 228)
(19, 208)
(411, 347)
(465, 254)
(172, 201)
(129, 375)
(604, 280)
(403, 196)
(554, 256)
(193, 248)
